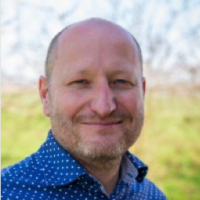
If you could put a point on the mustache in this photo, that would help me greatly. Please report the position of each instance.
(113, 117)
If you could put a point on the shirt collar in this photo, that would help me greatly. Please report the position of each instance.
(60, 168)
(132, 168)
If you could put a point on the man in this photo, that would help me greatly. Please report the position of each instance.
(93, 93)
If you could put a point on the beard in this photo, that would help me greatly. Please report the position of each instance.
(111, 147)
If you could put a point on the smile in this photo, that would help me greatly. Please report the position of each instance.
(102, 123)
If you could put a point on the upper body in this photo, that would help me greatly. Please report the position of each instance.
(93, 91)
(52, 173)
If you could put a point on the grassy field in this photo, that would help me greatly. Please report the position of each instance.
(169, 142)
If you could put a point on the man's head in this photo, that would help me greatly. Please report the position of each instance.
(94, 90)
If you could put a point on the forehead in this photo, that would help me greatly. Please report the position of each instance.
(94, 41)
(92, 32)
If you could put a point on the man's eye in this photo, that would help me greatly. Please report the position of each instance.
(81, 81)
(120, 81)
(122, 84)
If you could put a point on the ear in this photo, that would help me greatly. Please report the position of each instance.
(143, 85)
(44, 96)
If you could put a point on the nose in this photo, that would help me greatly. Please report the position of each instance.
(103, 103)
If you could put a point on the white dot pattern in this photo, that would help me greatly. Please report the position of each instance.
(52, 174)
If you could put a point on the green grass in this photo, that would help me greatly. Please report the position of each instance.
(23, 125)
(169, 143)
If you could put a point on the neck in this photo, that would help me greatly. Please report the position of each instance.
(106, 173)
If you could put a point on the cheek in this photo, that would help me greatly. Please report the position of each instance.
(69, 103)
(132, 102)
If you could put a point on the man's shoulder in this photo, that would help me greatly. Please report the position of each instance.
(15, 177)
(151, 190)
(27, 169)
(21, 168)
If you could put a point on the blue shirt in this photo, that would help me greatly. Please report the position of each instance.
(53, 174)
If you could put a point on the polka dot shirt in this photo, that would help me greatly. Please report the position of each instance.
(53, 174)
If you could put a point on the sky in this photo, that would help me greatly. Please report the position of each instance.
(29, 25)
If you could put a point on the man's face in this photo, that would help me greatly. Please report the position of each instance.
(96, 93)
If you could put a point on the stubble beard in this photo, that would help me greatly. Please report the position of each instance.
(68, 136)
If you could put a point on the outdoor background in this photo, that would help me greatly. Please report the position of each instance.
(169, 35)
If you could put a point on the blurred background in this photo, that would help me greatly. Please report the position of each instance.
(169, 35)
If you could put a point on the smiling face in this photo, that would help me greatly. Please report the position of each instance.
(96, 92)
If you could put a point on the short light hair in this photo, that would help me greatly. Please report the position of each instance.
(53, 52)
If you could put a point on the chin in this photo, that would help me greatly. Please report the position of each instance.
(101, 150)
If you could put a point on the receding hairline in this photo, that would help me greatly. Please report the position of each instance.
(52, 52)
